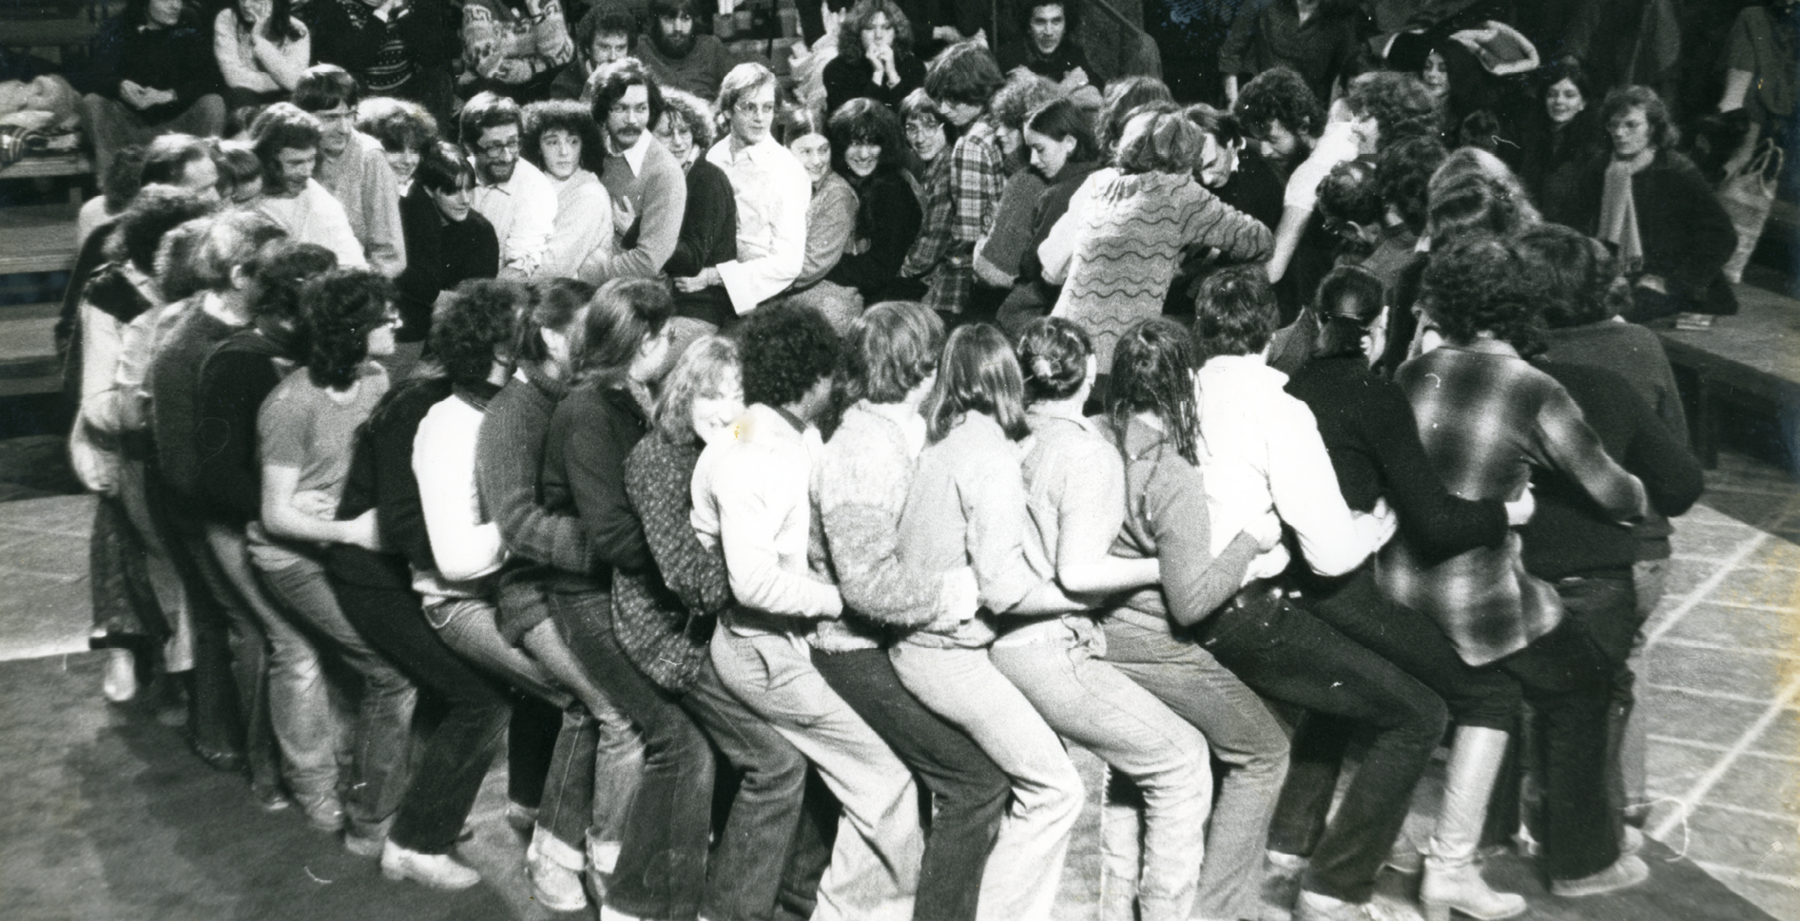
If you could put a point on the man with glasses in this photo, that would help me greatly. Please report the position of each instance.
(352, 167)
(772, 191)
(512, 194)
(286, 140)
(648, 188)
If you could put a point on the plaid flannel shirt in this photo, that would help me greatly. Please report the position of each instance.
(1487, 417)
(962, 194)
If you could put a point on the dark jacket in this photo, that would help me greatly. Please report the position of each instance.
(592, 431)
(708, 237)
(381, 477)
(178, 58)
(888, 216)
(440, 254)
(1686, 233)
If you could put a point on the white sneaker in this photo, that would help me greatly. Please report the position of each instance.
(555, 886)
(437, 871)
(119, 682)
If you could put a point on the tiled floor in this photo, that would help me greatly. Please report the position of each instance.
(1723, 695)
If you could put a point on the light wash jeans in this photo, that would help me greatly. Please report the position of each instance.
(874, 871)
(1244, 735)
(383, 729)
(468, 626)
(1057, 666)
(964, 687)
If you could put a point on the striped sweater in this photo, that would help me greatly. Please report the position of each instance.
(1130, 231)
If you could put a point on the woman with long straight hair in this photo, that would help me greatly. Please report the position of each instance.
(1075, 482)
(865, 471)
(597, 754)
(967, 508)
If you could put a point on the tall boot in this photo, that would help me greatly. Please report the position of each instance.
(1452, 880)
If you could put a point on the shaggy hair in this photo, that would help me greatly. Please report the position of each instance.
(1234, 313)
(475, 326)
(695, 113)
(561, 115)
(1403, 172)
(700, 371)
(1278, 94)
(153, 213)
(1122, 99)
(1485, 284)
(964, 73)
(338, 310)
(1152, 372)
(326, 86)
(1399, 103)
(623, 315)
(850, 29)
(610, 81)
(978, 373)
(1581, 277)
(397, 123)
(864, 120)
(282, 271)
(1158, 138)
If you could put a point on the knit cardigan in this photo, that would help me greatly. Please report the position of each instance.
(1130, 230)
(663, 616)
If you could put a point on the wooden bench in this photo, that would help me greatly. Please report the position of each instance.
(1755, 351)
(52, 165)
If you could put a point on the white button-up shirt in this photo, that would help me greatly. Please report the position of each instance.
(523, 212)
(772, 192)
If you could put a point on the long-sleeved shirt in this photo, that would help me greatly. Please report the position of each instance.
(1487, 418)
(700, 71)
(592, 431)
(174, 384)
(177, 59)
(1260, 451)
(440, 254)
(363, 182)
(1122, 239)
(962, 194)
(383, 52)
(648, 176)
(1266, 35)
(752, 500)
(1568, 535)
(1635, 354)
(888, 216)
(250, 61)
(1075, 490)
(381, 477)
(860, 486)
(664, 615)
(511, 46)
(466, 547)
(315, 216)
(1166, 518)
(968, 507)
(772, 192)
(830, 226)
(509, 455)
(1369, 430)
(523, 212)
(584, 225)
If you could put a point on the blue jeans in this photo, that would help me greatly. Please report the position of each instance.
(618, 753)
(964, 687)
(874, 868)
(383, 735)
(1245, 736)
(756, 845)
(967, 789)
(1059, 669)
(474, 710)
(228, 589)
(1288, 655)
(660, 870)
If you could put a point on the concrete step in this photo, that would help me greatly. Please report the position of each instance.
(28, 361)
(37, 238)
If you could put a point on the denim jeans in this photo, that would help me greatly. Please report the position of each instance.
(456, 756)
(968, 790)
(1288, 655)
(1245, 736)
(618, 750)
(874, 869)
(383, 721)
(660, 869)
(1626, 780)
(468, 626)
(964, 687)
(1484, 697)
(1091, 703)
(1568, 680)
(755, 847)
(221, 556)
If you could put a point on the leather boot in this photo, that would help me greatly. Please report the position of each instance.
(1452, 879)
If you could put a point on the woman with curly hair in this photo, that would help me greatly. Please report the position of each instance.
(562, 140)
(874, 57)
(1487, 418)
(867, 150)
(306, 433)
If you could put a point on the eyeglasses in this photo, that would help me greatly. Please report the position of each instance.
(925, 126)
(496, 148)
(751, 108)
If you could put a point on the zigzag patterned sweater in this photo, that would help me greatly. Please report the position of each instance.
(1131, 230)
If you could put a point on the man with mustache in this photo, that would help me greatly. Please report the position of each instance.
(678, 55)
(286, 140)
